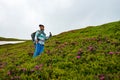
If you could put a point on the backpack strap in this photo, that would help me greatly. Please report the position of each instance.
(38, 33)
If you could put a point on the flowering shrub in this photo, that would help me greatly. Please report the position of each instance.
(67, 56)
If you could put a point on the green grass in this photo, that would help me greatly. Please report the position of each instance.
(9, 39)
(97, 46)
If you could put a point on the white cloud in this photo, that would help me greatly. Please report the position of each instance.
(13, 3)
(24, 16)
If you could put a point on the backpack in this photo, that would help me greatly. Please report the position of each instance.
(33, 35)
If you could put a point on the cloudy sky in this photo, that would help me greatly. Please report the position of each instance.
(19, 18)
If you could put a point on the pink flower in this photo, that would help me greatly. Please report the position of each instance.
(78, 57)
(111, 53)
(101, 77)
(41, 65)
(79, 53)
(8, 73)
(37, 67)
(90, 48)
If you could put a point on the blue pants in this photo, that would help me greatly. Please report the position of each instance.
(38, 50)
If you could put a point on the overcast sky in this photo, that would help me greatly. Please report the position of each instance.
(19, 18)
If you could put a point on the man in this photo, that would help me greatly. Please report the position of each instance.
(40, 38)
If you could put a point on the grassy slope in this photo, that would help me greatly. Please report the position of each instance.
(59, 58)
(9, 39)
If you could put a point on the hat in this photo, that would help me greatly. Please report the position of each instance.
(41, 25)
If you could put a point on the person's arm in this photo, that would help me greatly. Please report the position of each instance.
(47, 37)
(36, 40)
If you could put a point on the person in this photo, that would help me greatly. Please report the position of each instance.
(40, 38)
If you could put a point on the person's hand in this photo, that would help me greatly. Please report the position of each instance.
(36, 41)
(50, 34)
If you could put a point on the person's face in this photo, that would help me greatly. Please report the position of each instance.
(41, 28)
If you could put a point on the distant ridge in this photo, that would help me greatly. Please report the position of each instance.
(9, 39)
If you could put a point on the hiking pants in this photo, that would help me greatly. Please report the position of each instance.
(38, 50)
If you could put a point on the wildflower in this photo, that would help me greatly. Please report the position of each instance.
(101, 77)
(90, 48)
(37, 67)
(41, 65)
(111, 53)
(9, 73)
(79, 53)
(78, 57)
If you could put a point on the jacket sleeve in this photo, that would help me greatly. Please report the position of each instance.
(36, 35)
(47, 37)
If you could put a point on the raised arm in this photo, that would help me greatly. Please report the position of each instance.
(47, 37)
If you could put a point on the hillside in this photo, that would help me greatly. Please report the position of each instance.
(91, 53)
(9, 39)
